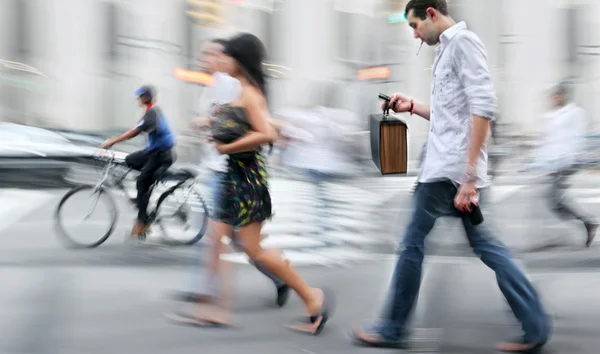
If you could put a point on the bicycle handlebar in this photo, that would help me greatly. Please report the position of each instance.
(106, 153)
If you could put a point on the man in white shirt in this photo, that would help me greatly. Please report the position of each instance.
(565, 130)
(454, 171)
(314, 150)
(226, 89)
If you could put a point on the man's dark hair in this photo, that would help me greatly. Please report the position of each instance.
(420, 7)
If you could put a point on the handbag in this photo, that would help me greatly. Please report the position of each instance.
(230, 124)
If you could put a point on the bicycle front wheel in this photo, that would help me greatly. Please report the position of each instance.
(182, 216)
(85, 217)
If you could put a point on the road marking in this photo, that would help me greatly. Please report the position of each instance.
(325, 257)
(588, 200)
(287, 241)
(499, 193)
(15, 204)
(570, 273)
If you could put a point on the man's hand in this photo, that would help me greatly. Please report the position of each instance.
(398, 103)
(108, 143)
(466, 197)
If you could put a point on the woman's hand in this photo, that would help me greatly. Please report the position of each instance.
(223, 149)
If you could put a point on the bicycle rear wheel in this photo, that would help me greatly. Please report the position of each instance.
(182, 216)
(97, 200)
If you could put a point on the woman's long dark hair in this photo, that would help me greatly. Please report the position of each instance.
(250, 53)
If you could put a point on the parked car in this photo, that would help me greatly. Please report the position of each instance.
(36, 157)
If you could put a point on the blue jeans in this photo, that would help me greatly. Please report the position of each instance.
(434, 200)
(322, 202)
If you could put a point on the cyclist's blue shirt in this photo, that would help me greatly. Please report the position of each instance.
(155, 124)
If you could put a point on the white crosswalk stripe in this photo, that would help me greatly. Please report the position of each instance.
(15, 204)
(294, 228)
(585, 195)
(389, 187)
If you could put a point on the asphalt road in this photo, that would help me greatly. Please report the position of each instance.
(112, 299)
(114, 309)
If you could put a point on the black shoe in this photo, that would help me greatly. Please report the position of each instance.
(191, 297)
(591, 233)
(283, 294)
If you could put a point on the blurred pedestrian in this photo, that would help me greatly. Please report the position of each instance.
(565, 129)
(315, 151)
(240, 129)
(206, 286)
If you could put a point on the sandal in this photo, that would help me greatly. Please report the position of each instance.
(306, 324)
(187, 319)
(519, 346)
(361, 339)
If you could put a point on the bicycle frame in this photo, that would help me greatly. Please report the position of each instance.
(108, 172)
(113, 175)
(101, 183)
(152, 215)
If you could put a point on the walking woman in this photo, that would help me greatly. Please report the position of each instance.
(239, 130)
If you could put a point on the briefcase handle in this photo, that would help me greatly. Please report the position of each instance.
(386, 108)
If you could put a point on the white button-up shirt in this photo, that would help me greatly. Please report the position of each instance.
(460, 88)
(564, 139)
(226, 90)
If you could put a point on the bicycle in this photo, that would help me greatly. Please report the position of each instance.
(184, 180)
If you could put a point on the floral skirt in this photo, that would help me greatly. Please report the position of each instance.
(242, 196)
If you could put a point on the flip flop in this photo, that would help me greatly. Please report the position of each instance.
(358, 340)
(519, 346)
(187, 319)
(324, 313)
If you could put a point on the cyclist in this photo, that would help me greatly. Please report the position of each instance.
(157, 156)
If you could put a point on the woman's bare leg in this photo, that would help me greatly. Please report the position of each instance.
(218, 309)
(277, 264)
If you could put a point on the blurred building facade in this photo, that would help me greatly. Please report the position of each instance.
(75, 63)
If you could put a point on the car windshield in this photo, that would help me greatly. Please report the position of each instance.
(18, 134)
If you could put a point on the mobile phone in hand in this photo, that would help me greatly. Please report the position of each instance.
(385, 97)
(475, 216)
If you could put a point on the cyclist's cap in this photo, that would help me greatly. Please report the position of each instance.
(145, 90)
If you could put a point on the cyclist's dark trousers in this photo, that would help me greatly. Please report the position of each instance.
(148, 163)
